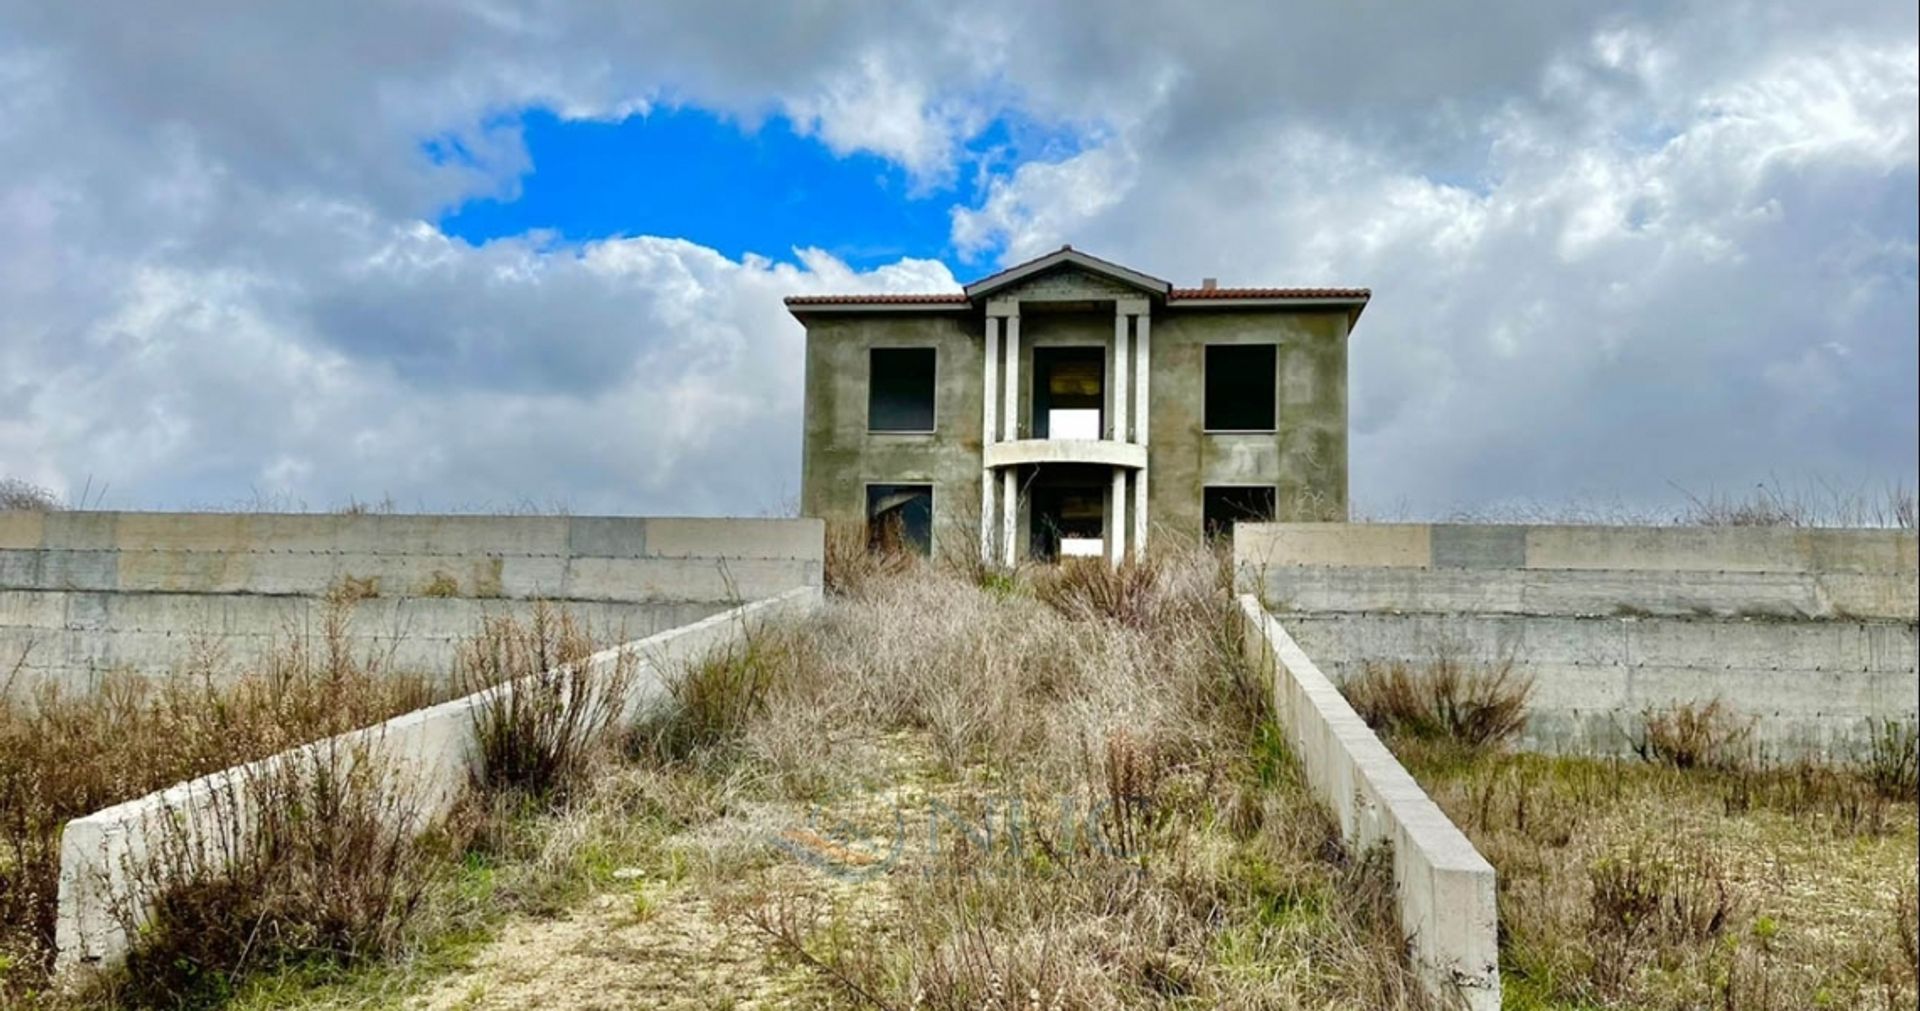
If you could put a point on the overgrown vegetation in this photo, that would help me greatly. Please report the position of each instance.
(1189, 865)
(313, 860)
(1113, 821)
(329, 860)
(545, 708)
(1449, 699)
(1694, 736)
(1700, 873)
(64, 754)
(21, 495)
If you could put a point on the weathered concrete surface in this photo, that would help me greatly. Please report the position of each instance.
(840, 457)
(84, 592)
(1304, 458)
(1810, 632)
(1443, 886)
(431, 750)
(1813, 686)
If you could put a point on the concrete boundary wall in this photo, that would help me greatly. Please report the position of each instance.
(1735, 572)
(431, 749)
(1443, 886)
(1811, 634)
(86, 592)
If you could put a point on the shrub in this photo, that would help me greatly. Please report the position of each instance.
(1644, 902)
(310, 860)
(25, 496)
(1095, 588)
(65, 753)
(1691, 736)
(853, 561)
(1446, 700)
(712, 700)
(1892, 759)
(546, 708)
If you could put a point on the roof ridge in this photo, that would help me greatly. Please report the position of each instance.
(1174, 294)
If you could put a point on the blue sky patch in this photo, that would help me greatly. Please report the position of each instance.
(688, 173)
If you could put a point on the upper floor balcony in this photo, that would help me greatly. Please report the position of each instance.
(1105, 452)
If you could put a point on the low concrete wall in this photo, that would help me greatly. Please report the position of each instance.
(1445, 888)
(1811, 632)
(1689, 572)
(83, 592)
(432, 749)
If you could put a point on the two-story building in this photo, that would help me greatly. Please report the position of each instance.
(1069, 405)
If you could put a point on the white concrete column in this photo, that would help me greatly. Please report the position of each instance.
(1121, 392)
(1009, 514)
(1011, 406)
(1142, 378)
(1141, 375)
(1140, 514)
(990, 409)
(989, 422)
(1117, 518)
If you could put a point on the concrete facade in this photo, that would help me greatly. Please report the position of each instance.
(1444, 889)
(986, 458)
(429, 749)
(86, 592)
(1811, 633)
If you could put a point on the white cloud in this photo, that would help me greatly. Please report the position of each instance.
(1625, 296)
(1608, 249)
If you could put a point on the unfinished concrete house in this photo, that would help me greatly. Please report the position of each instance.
(1073, 406)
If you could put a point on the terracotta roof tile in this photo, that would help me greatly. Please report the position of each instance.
(1178, 294)
(940, 298)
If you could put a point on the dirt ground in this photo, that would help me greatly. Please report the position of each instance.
(686, 940)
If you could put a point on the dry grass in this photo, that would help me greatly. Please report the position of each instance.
(65, 754)
(313, 860)
(545, 712)
(1701, 874)
(1737, 885)
(1189, 868)
(1193, 870)
(325, 866)
(851, 562)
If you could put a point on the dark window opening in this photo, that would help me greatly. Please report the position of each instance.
(900, 390)
(1240, 387)
(1068, 513)
(900, 517)
(1221, 508)
(1069, 393)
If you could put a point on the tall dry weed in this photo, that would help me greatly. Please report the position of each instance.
(546, 709)
(1709, 735)
(1448, 699)
(1112, 709)
(67, 753)
(314, 859)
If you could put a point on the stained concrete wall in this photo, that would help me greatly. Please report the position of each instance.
(431, 750)
(1305, 458)
(84, 592)
(1810, 632)
(1444, 889)
(840, 457)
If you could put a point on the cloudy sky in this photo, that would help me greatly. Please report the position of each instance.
(469, 255)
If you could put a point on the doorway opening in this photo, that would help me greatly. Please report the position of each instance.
(1069, 392)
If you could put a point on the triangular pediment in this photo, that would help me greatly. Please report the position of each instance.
(1067, 273)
